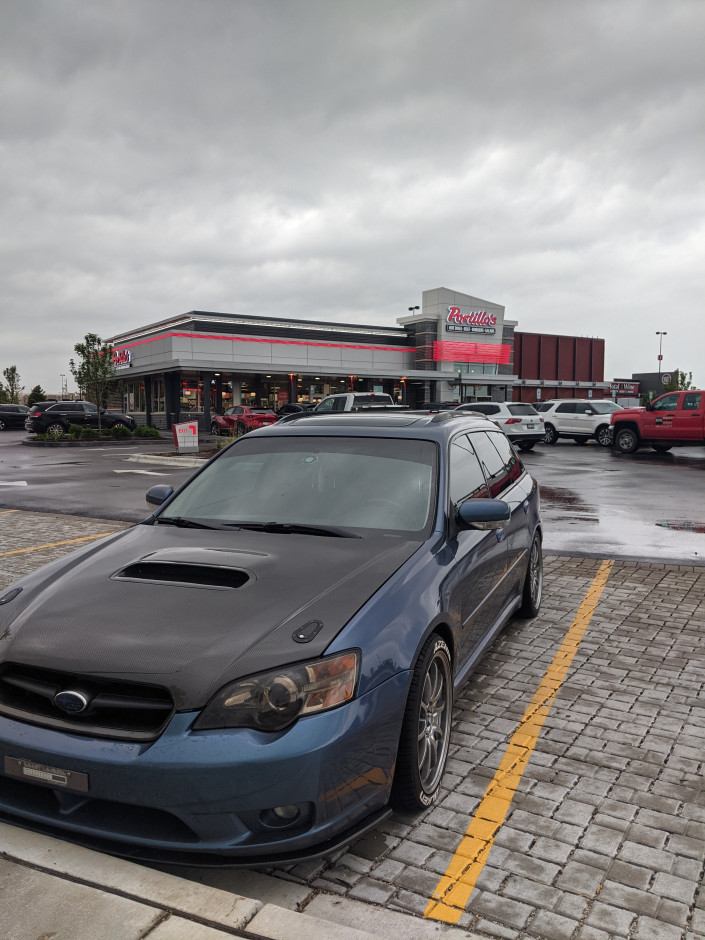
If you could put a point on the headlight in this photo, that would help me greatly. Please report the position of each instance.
(274, 700)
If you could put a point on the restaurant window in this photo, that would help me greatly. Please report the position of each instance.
(191, 392)
(134, 398)
(158, 399)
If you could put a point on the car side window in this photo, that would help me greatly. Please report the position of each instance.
(691, 401)
(567, 408)
(582, 408)
(500, 463)
(326, 405)
(667, 403)
(467, 481)
(89, 407)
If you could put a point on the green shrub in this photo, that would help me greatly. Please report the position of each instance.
(119, 432)
(75, 431)
(145, 431)
(89, 434)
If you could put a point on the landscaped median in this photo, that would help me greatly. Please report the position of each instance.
(78, 436)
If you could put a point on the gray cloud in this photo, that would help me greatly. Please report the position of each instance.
(331, 161)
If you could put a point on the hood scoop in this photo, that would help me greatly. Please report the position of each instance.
(193, 567)
(176, 573)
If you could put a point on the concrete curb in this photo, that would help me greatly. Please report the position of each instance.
(168, 461)
(219, 912)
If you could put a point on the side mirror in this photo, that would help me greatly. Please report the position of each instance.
(649, 406)
(156, 495)
(483, 514)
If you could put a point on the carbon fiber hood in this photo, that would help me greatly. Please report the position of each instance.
(92, 614)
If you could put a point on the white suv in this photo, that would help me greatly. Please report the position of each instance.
(519, 420)
(579, 418)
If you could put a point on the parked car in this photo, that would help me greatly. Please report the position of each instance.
(270, 658)
(240, 419)
(519, 420)
(676, 419)
(13, 416)
(294, 408)
(579, 418)
(47, 417)
(354, 401)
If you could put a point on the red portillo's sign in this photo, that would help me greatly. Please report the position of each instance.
(476, 321)
(121, 357)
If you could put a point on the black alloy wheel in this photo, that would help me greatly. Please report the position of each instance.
(550, 434)
(533, 582)
(55, 429)
(603, 436)
(425, 735)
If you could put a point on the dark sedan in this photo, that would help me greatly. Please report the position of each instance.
(268, 661)
(12, 416)
(56, 417)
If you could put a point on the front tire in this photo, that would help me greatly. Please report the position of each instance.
(626, 440)
(533, 583)
(550, 434)
(580, 440)
(603, 436)
(662, 448)
(215, 429)
(526, 445)
(425, 735)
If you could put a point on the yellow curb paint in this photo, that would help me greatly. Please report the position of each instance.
(38, 548)
(3, 511)
(455, 887)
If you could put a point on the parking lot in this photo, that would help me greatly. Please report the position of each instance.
(573, 806)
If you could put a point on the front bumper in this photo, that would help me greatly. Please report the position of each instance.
(211, 793)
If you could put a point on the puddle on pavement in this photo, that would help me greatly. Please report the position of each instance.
(569, 504)
(682, 525)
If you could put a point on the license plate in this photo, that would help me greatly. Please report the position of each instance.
(529, 427)
(49, 776)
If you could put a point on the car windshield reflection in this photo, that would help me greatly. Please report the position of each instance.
(329, 483)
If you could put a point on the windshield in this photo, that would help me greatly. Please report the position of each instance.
(345, 483)
(604, 407)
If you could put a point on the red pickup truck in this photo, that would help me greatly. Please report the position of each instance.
(676, 419)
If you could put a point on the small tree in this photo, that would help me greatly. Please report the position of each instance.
(13, 387)
(94, 371)
(679, 382)
(37, 394)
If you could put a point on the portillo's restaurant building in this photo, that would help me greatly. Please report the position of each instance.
(454, 347)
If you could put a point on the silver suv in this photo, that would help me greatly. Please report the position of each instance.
(579, 418)
(519, 420)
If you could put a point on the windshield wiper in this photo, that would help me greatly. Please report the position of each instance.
(184, 523)
(297, 528)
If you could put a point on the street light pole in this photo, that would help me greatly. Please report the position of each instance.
(660, 334)
(62, 375)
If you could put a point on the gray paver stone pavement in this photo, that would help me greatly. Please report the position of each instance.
(604, 837)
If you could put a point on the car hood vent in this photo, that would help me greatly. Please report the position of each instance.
(183, 573)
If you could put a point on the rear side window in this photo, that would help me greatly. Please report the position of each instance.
(567, 408)
(522, 410)
(484, 408)
(691, 401)
(582, 408)
(499, 462)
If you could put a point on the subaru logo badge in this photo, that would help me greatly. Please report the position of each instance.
(71, 702)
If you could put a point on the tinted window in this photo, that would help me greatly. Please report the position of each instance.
(667, 403)
(467, 480)
(544, 407)
(567, 408)
(89, 407)
(500, 463)
(582, 408)
(691, 401)
(522, 410)
(326, 405)
(483, 408)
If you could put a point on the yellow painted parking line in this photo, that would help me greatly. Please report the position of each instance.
(3, 511)
(37, 548)
(455, 887)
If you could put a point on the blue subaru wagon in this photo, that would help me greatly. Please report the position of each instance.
(265, 665)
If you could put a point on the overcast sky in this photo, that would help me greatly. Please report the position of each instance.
(332, 160)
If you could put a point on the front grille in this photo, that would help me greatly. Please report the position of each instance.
(115, 709)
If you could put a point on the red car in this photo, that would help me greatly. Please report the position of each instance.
(241, 419)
